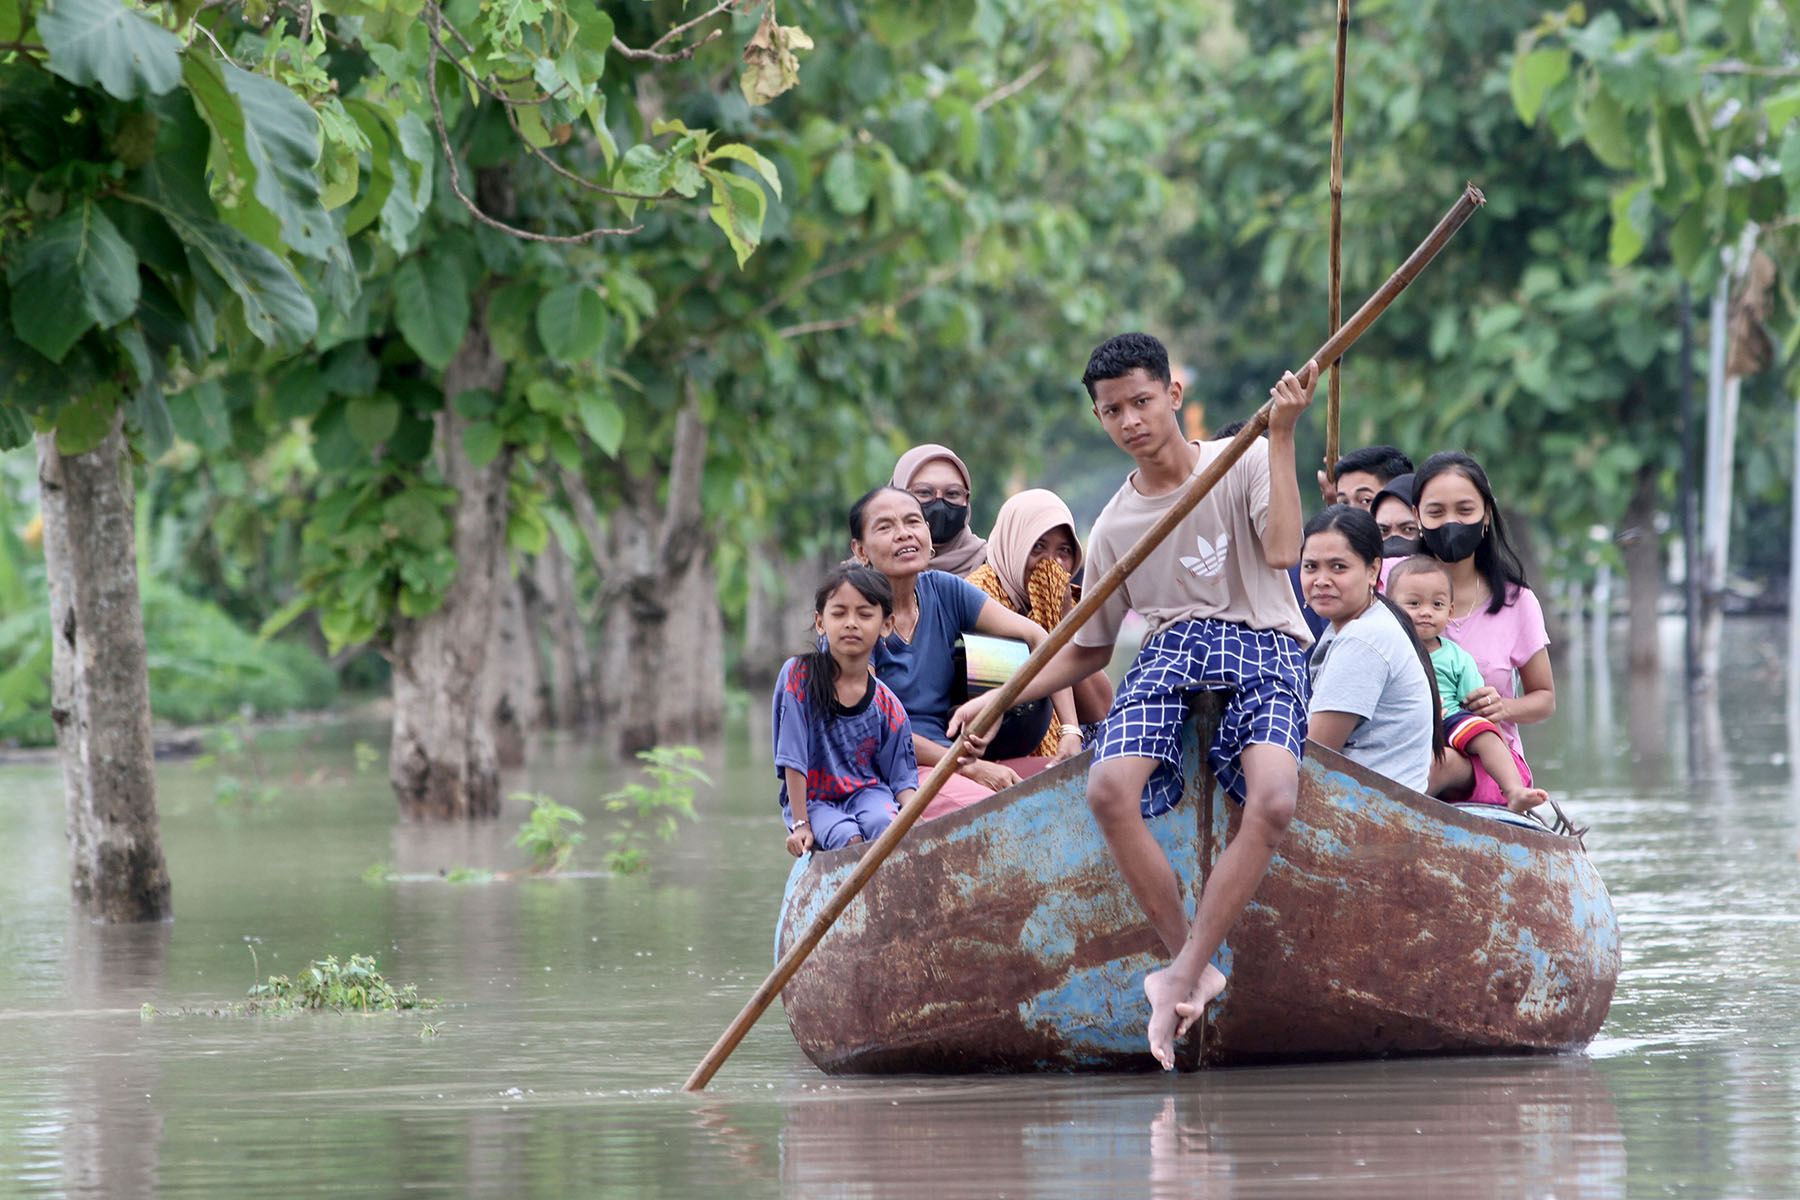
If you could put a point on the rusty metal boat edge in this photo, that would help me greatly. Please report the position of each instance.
(1002, 939)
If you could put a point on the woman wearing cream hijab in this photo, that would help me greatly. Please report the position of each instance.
(940, 482)
(1032, 556)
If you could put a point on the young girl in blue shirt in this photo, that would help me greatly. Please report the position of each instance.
(843, 744)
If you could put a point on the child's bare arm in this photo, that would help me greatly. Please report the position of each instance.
(800, 838)
(1281, 532)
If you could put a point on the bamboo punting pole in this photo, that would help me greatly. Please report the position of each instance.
(1094, 595)
(1334, 401)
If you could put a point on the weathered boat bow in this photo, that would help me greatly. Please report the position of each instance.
(1002, 938)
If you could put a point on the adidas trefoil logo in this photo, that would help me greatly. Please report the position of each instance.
(1211, 559)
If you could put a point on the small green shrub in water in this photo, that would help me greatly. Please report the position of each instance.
(545, 835)
(655, 806)
(353, 986)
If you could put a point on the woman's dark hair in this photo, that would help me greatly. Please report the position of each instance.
(1495, 559)
(822, 669)
(1364, 536)
(863, 502)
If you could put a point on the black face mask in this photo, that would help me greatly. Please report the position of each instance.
(945, 519)
(1454, 541)
(1400, 547)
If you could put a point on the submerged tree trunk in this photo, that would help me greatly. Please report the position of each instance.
(778, 614)
(570, 668)
(664, 656)
(1525, 543)
(100, 683)
(1642, 550)
(442, 762)
(514, 677)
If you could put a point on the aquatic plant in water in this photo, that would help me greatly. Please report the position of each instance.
(356, 985)
(655, 806)
(545, 835)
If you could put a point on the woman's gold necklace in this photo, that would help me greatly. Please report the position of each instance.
(911, 625)
(1480, 597)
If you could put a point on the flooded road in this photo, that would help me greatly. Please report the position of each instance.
(578, 1005)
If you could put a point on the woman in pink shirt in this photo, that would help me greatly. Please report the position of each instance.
(1493, 613)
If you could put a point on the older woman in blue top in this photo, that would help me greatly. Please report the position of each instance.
(888, 531)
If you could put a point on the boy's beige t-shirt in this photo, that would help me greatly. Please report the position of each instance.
(1212, 565)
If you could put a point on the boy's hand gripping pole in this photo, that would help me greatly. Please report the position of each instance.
(1094, 595)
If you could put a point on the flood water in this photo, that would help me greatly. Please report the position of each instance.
(577, 1006)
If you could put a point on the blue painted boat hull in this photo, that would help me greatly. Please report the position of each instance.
(1002, 937)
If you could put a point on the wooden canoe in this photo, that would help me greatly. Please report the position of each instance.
(1002, 937)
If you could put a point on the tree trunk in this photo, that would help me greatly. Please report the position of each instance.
(778, 613)
(1643, 553)
(664, 635)
(100, 683)
(442, 762)
(514, 678)
(1524, 540)
(571, 689)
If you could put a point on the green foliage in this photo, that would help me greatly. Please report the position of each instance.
(1524, 343)
(545, 835)
(355, 986)
(1695, 105)
(203, 667)
(653, 809)
(376, 547)
(469, 875)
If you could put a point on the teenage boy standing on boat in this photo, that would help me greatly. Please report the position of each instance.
(1220, 611)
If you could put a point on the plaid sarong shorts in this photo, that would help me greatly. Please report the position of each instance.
(1265, 672)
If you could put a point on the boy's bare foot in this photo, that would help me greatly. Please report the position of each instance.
(1175, 1006)
(1164, 992)
(1520, 799)
(1212, 982)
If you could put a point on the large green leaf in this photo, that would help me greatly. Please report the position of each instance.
(571, 322)
(281, 141)
(384, 149)
(372, 418)
(1534, 73)
(845, 183)
(77, 272)
(1608, 131)
(104, 42)
(148, 413)
(200, 417)
(277, 310)
(431, 306)
(603, 420)
(85, 421)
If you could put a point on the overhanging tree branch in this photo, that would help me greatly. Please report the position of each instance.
(652, 54)
(434, 45)
(1007, 91)
(941, 275)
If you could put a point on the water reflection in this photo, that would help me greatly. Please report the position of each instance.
(111, 1122)
(1515, 1127)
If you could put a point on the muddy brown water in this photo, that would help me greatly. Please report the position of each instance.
(580, 1004)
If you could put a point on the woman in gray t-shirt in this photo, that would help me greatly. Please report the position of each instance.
(1374, 697)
